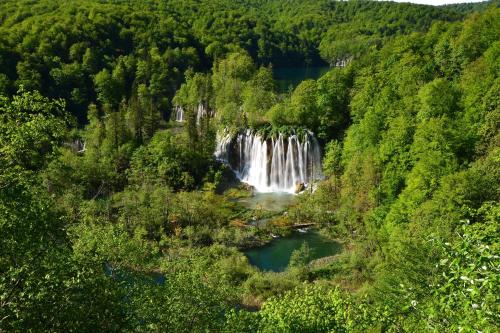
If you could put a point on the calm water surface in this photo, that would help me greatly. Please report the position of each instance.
(287, 77)
(275, 256)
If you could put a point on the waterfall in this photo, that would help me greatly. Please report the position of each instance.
(77, 145)
(179, 114)
(201, 112)
(271, 164)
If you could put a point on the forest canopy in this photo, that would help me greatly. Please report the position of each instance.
(115, 217)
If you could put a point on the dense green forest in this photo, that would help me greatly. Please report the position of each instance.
(114, 217)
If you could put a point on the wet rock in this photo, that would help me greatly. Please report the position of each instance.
(299, 187)
(248, 187)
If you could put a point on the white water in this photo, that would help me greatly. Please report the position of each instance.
(273, 164)
(201, 112)
(179, 114)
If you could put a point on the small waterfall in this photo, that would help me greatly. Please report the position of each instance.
(271, 164)
(222, 147)
(201, 112)
(77, 145)
(179, 114)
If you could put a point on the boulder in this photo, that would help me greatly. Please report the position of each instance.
(248, 187)
(299, 187)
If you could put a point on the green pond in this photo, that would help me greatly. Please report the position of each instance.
(275, 256)
(287, 77)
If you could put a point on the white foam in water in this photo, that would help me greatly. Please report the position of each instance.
(273, 164)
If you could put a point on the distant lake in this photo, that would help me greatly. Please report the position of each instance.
(287, 77)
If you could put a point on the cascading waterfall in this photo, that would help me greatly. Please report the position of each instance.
(279, 164)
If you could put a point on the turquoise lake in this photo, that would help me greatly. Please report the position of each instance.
(275, 256)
